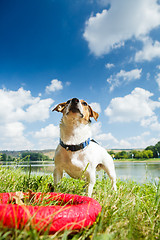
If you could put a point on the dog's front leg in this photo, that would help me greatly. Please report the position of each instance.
(91, 181)
(58, 173)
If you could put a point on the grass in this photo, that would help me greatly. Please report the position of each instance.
(131, 213)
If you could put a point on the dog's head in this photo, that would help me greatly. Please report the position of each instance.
(77, 109)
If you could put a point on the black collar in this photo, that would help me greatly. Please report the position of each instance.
(75, 148)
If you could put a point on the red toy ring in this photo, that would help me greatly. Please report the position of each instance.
(72, 212)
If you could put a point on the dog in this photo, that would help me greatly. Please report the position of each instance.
(76, 153)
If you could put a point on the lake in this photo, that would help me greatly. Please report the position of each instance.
(138, 171)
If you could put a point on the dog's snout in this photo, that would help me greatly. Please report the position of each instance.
(75, 100)
(75, 106)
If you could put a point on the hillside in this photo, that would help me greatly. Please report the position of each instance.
(126, 150)
(48, 152)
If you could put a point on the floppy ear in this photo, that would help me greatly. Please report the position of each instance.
(93, 114)
(60, 107)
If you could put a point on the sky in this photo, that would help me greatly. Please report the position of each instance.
(106, 52)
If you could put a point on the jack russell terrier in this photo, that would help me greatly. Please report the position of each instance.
(76, 153)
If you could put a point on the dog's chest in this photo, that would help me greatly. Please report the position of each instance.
(74, 164)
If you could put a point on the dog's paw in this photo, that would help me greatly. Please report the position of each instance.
(51, 187)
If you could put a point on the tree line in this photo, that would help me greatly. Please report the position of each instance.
(149, 152)
(26, 156)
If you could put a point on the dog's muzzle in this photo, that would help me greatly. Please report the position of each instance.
(75, 106)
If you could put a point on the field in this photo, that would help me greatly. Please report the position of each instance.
(131, 213)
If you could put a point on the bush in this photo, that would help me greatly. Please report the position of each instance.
(121, 155)
(33, 156)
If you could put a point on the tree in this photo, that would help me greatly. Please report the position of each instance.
(138, 155)
(145, 154)
(4, 157)
(33, 156)
(154, 149)
(150, 153)
(10, 158)
(112, 153)
(157, 148)
(121, 155)
(132, 154)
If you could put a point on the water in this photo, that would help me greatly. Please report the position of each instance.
(138, 171)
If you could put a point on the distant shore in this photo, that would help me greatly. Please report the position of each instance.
(138, 160)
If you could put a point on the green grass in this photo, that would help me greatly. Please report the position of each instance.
(131, 213)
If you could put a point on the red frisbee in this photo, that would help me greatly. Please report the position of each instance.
(72, 212)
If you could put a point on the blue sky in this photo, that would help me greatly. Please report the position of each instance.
(106, 52)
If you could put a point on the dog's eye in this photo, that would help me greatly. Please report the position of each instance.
(84, 103)
(68, 102)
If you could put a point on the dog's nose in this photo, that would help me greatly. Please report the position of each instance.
(75, 100)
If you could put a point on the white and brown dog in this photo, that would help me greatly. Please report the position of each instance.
(77, 154)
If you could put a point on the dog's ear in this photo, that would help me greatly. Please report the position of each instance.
(93, 114)
(60, 107)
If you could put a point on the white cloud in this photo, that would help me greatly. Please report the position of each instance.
(123, 144)
(20, 105)
(39, 111)
(16, 109)
(131, 75)
(158, 80)
(148, 76)
(45, 143)
(109, 65)
(136, 106)
(125, 19)
(68, 84)
(16, 144)
(49, 131)
(54, 86)
(140, 141)
(111, 142)
(96, 128)
(12, 137)
(105, 139)
(12, 103)
(123, 77)
(151, 123)
(47, 137)
(12, 130)
(96, 107)
(150, 51)
(158, 66)
(155, 126)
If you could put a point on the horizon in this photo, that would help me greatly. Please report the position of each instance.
(42, 150)
(106, 52)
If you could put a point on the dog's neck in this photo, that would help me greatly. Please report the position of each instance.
(74, 133)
